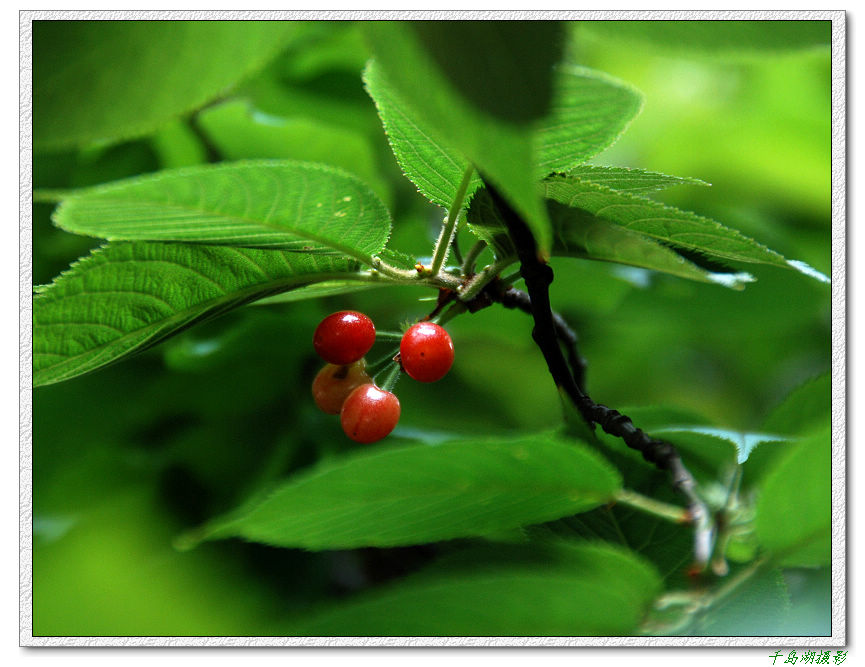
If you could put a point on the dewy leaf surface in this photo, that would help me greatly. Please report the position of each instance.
(422, 493)
(482, 86)
(126, 297)
(261, 204)
(581, 590)
(113, 80)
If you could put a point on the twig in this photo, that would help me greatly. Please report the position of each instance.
(538, 275)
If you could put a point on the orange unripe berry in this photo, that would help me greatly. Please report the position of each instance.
(426, 352)
(369, 414)
(334, 383)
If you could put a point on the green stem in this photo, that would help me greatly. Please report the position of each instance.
(443, 244)
(391, 378)
(651, 506)
(482, 279)
(446, 316)
(472, 256)
(388, 335)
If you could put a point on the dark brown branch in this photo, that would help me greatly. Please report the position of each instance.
(538, 276)
(518, 299)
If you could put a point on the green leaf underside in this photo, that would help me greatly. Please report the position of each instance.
(126, 297)
(438, 67)
(420, 494)
(258, 204)
(112, 80)
(658, 221)
(589, 111)
(584, 590)
(794, 509)
(578, 233)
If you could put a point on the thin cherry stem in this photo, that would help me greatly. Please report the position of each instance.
(391, 377)
(472, 256)
(443, 244)
(482, 279)
(651, 506)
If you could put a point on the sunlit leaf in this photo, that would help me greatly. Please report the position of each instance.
(717, 37)
(259, 204)
(481, 86)
(665, 223)
(579, 233)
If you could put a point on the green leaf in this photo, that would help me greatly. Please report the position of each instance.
(667, 224)
(436, 169)
(578, 233)
(715, 36)
(744, 442)
(261, 204)
(126, 297)
(625, 179)
(585, 590)
(240, 132)
(113, 80)
(480, 85)
(806, 408)
(794, 509)
(588, 112)
(418, 494)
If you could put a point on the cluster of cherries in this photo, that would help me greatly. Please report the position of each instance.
(367, 412)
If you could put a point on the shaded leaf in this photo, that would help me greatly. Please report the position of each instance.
(260, 204)
(126, 297)
(584, 590)
(419, 494)
(794, 509)
(111, 80)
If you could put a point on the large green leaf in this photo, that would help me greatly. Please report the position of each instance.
(664, 223)
(112, 80)
(418, 494)
(588, 112)
(794, 509)
(722, 37)
(261, 204)
(482, 86)
(241, 132)
(581, 590)
(578, 233)
(126, 297)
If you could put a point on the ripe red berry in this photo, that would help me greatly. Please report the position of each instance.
(334, 383)
(344, 337)
(426, 352)
(369, 413)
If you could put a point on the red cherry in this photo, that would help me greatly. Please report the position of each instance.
(344, 337)
(334, 383)
(426, 352)
(369, 413)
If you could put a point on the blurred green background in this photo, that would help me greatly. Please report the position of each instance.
(127, 458)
